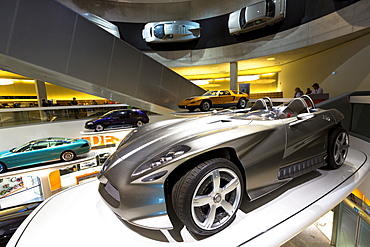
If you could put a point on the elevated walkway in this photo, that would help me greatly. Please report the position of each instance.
(44, 40)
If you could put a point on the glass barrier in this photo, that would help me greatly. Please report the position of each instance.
(353, 225)
(29, 115)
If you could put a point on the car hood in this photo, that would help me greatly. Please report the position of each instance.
(153, 139)
(5, 153)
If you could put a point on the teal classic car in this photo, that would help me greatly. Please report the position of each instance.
(43, 150)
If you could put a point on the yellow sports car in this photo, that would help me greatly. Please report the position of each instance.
(215, 99)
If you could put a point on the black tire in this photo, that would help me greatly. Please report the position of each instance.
(205, 105)
(68, 156)
(337, 147)
(242, 103)
(139, 123)
(3, 167)
(197, 187)
(99, 127)
(191, 109)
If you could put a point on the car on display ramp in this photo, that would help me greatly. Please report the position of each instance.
(203, 167)
(258, 15)
(215, 99)
(171, 31)
(43, 150)
(118, 118)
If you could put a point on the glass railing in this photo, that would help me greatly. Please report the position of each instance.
(30, 115)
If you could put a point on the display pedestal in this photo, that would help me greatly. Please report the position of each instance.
(79, 217)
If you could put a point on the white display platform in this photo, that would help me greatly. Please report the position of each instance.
(79, 217)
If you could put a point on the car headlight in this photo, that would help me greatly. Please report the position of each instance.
(161, 159)
(89, 123)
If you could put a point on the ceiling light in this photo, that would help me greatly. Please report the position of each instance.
(6, 82)
(200, 82)
(248, 78)
(268, 74)
(270, 59)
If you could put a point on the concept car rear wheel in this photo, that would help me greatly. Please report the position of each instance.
(67, 156)
(207, 197)
(242, 103)
(337, 147)
(139, 123)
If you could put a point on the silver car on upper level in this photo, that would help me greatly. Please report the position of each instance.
(171, 31)
(195, 171)
(257, 15)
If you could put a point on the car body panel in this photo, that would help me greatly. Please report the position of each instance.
(218, 98)
(260, 142)
(257, 15)
(42, 150)
(171, 31)
(117, 118)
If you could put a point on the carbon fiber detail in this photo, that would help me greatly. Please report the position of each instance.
(301, 168)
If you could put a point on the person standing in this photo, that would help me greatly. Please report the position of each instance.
(298, 92)
(308, 91)
(74, 102)
(48, 113)
(317, 89)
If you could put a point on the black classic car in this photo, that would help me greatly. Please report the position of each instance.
(118, 118)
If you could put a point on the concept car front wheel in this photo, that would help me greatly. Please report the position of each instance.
(337, 147)
(205, 105)
(2, 167)
(207, 197)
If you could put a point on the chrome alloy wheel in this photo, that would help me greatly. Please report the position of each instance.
(216, 199)
(68, 156)
(341, 148)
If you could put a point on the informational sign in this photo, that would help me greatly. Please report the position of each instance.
(245, 88)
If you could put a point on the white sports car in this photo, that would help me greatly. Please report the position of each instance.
(258, 15)
(171, 31)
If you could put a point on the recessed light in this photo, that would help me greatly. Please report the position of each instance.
(6, 82)
(270, 59)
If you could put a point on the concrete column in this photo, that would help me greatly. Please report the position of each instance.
(40, 91)
(234, 76)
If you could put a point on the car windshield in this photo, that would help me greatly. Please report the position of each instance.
(108, 114)
(211, 93)
(21, 148)
(159, 31)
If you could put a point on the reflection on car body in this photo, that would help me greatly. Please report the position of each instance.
(43, 150)
(202, 167)
(215, 99)
(171, 31)
(257, 15)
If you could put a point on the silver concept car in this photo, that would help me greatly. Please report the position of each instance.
(171, 31)
(258, 15)
(200, 168)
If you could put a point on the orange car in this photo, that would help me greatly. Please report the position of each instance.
(215, 99)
